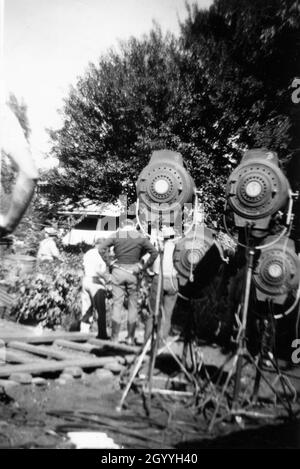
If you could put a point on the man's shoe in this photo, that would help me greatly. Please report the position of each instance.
(130, 341)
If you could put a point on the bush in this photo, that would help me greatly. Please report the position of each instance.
(50, 296)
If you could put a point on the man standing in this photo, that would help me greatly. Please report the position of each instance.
(94, 291)
(48, 250)
(129, 248)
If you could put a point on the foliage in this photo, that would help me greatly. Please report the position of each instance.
(247, 54)
(221, 87)
(50, 297)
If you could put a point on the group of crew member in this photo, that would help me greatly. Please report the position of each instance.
(134, 255)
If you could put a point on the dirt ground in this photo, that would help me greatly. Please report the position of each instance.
(34, 416)
(41, 416)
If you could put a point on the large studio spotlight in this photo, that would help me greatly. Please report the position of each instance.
(164, 187)
(277, 273)
(190, 252)
(256, 190)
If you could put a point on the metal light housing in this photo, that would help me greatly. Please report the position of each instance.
(277, 272)
(257, 189)
(164, 186)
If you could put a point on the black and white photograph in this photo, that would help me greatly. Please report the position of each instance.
(149, 227)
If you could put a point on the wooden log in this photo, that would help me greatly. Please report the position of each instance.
(170, 392)
(109, 345)
(47, 352)
(48, 366)
(11, 356)
(87, 348)
(47, 338)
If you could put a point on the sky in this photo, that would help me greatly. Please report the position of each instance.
(49, 43)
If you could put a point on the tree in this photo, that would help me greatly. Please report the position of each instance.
(249, 53)
(112, 116)
(220, 88)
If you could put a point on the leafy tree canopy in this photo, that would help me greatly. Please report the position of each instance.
(223, 86)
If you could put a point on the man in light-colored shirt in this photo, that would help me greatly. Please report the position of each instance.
(94, 291)
(48, 250)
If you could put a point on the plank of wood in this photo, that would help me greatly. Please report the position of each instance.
(47, 338)
(18, 357)
(109, 345)
(39, 350)
(87, 348)
(48, 366)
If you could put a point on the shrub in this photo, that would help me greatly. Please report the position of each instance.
(50, 296)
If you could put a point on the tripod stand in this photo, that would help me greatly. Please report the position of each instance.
(242, 355)
(154, 341)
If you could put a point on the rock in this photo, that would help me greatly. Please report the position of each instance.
(2, 343)
(39, 381)
(114, 367)
(104, 375)
(74, 371)
(61, 381)
(66, 376)
(22, 378)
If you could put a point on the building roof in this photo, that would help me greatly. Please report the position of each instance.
(89, 207)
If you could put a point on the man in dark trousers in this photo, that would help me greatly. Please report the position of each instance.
(129, 248)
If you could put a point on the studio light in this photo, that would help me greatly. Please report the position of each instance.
(190, 251)
(277, 272)
(164, 186)
(256, 190)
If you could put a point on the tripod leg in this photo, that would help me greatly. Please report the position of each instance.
(134, 373)
(219, 401)
(285, 383)
(257, 381)
(154, 349)
(242, 334)
(270, 385)
(156, 324)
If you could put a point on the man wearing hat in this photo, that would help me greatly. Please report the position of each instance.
(48, 250)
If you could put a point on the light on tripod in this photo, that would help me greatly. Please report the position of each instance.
(256, 190)
(190, 250)
(277, 272)
(164, 185)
